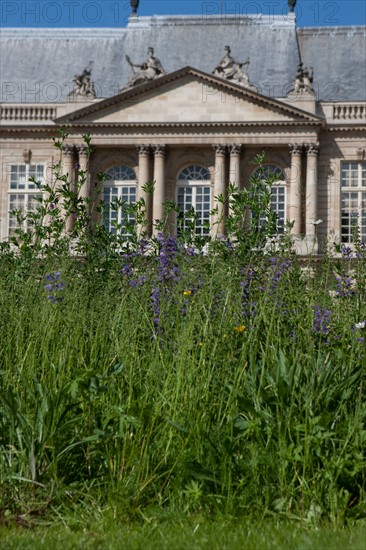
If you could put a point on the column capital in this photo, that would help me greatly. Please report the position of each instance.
(235, 148)
(143, 149)
(312, 148)
(160, 150)
(82, 150)
(219, 149)
(296, 148)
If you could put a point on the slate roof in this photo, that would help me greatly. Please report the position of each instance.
(38, 65)
(45, 56)
(338, 57)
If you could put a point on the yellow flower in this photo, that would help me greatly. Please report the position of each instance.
(187, 292)
(240, 328)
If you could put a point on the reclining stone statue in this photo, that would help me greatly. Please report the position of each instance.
(149, 70)
(233, 70)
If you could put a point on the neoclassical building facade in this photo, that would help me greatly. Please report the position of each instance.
(193, 120)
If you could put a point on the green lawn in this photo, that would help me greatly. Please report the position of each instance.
(158, 394)
(193, 534)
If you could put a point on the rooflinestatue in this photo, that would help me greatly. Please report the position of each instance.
(83, 85)
(303, 81)
(134, 6)
(233, 70)
(149, 70)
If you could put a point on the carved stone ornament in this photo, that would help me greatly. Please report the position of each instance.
(134, 6)
(303, 81)
(160, 150)
(220, 149)
(82, 150)
(232, 70)
(143, 150)
(296, 148)
(68, 150)
(83, 85)
(27, 155)
(235, 148)
(360, 153)
(312, 148)
(148, 70)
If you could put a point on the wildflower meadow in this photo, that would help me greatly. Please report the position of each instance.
(181, 390)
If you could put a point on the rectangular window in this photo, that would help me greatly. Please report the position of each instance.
(278, 205)
(353, 202)
(199, 198)
(117, 198)
(23, 194)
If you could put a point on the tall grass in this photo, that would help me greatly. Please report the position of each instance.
(158, 375)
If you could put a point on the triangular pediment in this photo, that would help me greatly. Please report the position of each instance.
(188, 96)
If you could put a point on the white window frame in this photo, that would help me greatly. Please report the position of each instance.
(22, 193)
(196, 186)
(353, 208)
(119, 188)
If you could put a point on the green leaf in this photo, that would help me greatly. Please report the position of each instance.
(196, 470)
(178, 426)
(118, 368)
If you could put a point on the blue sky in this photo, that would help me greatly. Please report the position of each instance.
(114, 13)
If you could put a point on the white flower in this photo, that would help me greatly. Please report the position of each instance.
(317, 222)
(359, 326)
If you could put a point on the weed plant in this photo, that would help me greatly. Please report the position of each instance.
(202, 376)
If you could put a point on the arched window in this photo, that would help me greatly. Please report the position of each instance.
(194, 195)
(118, 193)
(278, 192)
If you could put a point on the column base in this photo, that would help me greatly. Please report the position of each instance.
(305, 246)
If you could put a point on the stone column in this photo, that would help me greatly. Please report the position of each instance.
(234, 168)
(83, 183)
(159, 190)
(143, 178)
(294, 195)
(84, 189)
(219, 189)
(312, 151)
(68, 169)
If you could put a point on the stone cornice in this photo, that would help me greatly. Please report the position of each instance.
(345, 128)
(171, 128)
(228, 124)
(203, 135)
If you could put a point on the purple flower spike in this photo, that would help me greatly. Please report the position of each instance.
(54, 287)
